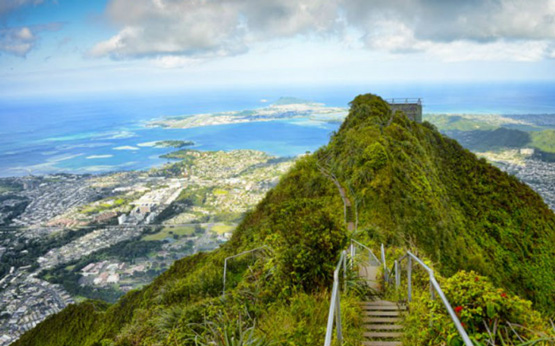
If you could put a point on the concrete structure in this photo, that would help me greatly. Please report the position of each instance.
(412, 107)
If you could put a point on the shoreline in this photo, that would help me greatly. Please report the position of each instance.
(169, 161)
(110, 161)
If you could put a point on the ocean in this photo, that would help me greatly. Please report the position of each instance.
(104, 133)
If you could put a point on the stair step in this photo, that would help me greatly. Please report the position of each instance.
(383, 307)
(378, 302)
(382, 313)
(381, 343)
(383, 326)
(392, 335)
(390, 320)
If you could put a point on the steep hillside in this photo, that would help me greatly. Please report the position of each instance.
(409, 187)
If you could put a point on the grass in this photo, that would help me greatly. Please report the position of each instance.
(169, 232)
(223, 228)
(544, 140)
(107, 205)
(220, 192)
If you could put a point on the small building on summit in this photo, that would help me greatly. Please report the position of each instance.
(412, 107)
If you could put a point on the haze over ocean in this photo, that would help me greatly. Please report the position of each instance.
(107, 133)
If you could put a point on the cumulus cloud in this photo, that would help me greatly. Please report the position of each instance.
(16, 41)
(19, 41)
(201, 28)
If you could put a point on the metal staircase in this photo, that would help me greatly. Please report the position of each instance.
(381, 321)
(382, 318)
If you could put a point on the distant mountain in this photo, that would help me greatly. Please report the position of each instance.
(409, 186)
(286, 100)
(494, 132)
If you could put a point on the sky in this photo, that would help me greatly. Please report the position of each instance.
(55, 47)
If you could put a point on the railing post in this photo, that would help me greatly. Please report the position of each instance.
(225, 272)
(345, 270)
(431, 287)
(432, 297)
(338, 320)
(333, 301)
(384, 264)
(353, 252)
(397, 276)
(409, 278)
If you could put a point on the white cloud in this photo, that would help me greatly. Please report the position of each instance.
(198, 28)
(491, 29)
(16, 41)
(518, 30)
(172, 61)
(19, 41)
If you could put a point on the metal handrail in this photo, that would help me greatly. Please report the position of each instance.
(370, 252)
(335, 301)
(237, 255)
(335, 308)
(434, 285)
(402, 100)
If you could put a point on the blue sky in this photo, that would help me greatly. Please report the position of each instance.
(75, 46)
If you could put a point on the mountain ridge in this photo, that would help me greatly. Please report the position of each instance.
(410, 187)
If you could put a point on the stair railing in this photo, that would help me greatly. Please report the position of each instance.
(373, 260)
(334, 313)
(237, 255)
(434, 286)
(335, 302)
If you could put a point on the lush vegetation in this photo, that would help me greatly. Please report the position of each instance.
(183, 154)
(487, 140)
(448, 122)
(544, 140)
(493, 132)
(490, 315)
(409, 187)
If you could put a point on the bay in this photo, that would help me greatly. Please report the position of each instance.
(102, 133)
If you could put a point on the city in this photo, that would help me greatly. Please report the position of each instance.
(115, 232)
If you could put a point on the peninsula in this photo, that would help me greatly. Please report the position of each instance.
(284, 109)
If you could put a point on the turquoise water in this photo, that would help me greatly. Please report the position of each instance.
(102, 134)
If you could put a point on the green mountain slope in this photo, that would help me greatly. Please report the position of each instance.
(544, 140)
(410, 187)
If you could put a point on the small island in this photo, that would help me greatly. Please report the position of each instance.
(178, 155)
(174, 144)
